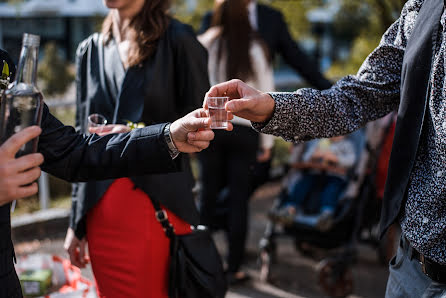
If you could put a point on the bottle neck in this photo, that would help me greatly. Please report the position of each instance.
(27, 68)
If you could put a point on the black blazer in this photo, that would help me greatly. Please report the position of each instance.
(74, 157)
(169, 84)
(274, 31)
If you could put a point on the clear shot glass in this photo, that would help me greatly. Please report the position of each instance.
(217, 112)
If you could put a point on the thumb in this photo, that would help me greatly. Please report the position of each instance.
(193, 124)
(237, 105)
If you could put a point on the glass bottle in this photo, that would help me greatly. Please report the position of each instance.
(22, 103)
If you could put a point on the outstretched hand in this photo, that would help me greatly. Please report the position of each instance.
(245, 101)
(192, 133)
(18, 175)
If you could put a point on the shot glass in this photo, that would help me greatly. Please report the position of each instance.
(217, 112)
(96, 120)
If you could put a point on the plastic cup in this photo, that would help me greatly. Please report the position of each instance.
(96, 120)
(217, 112)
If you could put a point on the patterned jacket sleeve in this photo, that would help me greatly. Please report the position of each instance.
(354, 100)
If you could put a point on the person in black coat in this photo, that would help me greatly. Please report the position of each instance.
(272, 28)
(75, 157)
(146, 67)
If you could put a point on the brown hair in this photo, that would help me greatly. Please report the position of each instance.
(236, 37)
(146, 27)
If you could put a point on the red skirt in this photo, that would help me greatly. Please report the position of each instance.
(128, 248)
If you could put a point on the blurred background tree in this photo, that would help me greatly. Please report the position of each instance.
(54, 72)
(191, 12)
(361, 23)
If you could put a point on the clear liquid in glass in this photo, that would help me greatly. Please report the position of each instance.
(21, 107)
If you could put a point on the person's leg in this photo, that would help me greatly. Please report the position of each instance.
(329, 195)
(300, 190)
(212, 170)
(243, 150)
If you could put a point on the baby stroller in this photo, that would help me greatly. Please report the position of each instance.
(349, 226)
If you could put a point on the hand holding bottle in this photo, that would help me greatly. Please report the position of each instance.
(18, 175)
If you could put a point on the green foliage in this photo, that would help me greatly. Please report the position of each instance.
(362, 47)
(362, 23)
(295, 15)
(54, 72)
(182, 12)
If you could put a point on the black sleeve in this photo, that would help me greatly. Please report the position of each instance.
(297, 59)
(205, 22)
(75, 157)
(191, 61)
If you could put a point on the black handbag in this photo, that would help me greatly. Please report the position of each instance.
(195, 269)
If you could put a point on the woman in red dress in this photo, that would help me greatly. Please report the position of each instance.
(144, 67)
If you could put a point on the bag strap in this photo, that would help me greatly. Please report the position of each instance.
(163, 219)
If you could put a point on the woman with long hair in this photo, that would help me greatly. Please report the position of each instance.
(235, 51)
(144, 67)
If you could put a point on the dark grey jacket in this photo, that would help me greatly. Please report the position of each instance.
(169, 84)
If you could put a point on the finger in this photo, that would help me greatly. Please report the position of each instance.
(229, 88)
(199, 145)
(99, 129)
(238, 105)
(82, 254)
(25, 191)
(26, 177)
(230, 127)
(26, 162)
(204, 135)
(198, 113)
(73, 251)
(10, 148)
(194, 124)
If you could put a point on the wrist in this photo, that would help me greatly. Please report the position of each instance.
(270, 106)
(173, 150)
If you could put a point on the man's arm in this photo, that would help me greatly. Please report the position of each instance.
(74, 157)
(298, 59)
(348, 105)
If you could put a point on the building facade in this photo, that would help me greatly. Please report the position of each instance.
(65, 22)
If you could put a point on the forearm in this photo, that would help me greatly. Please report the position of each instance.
(309, 113)
(76, 157)
(354, 100)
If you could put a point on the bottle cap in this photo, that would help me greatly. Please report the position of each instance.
(31, 40)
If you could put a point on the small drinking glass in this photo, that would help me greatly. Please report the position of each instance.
(217, 112)
(96, 120)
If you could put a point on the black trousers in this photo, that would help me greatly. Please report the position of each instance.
(226, 173)
(9, 282)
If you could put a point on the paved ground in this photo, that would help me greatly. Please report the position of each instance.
(293, 276)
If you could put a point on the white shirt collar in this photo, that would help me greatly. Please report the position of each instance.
(252, 13)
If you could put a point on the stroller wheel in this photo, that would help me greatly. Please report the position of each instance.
(335, 278)
(265, 264)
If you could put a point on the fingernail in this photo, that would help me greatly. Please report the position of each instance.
(192, 136)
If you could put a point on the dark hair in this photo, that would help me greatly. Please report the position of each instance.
(147, 27)
(236, 37)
